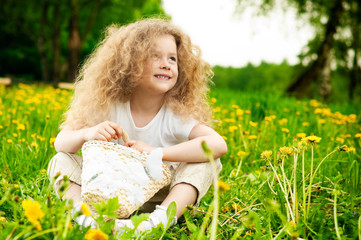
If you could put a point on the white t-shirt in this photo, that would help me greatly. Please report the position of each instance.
(165, 129)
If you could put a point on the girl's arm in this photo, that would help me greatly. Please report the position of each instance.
(191, 151)
(72, 140)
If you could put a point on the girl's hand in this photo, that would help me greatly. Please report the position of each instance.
(104, 132)
(139, 145)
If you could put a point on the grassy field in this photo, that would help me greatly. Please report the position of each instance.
(292, 171)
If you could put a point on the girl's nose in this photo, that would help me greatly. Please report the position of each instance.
(164, 64)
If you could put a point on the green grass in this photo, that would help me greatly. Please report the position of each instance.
(276, 196)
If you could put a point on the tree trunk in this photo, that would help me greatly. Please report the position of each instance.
(73, 42)
(41, 45)
(355, 73)
(301, 86)
(56, 46)
(324, 86)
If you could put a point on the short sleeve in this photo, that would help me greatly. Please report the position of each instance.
(179, 127)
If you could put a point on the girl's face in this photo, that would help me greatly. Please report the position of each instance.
(161, 69)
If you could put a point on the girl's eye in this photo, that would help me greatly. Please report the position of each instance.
(173, 59)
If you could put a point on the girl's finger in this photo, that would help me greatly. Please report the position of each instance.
(118, 129)
(129, 143)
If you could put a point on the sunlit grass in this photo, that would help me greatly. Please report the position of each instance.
(292, 169)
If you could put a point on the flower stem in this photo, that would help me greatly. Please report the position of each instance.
(284, 192)
(304, 187)
(295, 202)
(309, 190)
(313, 175)
(335, 216)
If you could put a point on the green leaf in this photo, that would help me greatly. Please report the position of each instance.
(191, 226)
(107, 209)
(171, 212)
(137, 219)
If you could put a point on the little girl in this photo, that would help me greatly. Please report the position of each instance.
(149, 79)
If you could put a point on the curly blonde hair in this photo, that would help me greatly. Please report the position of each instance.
(115, 68)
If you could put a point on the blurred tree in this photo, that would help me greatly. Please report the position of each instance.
(264, 77)
(336, 44)
(61, 30)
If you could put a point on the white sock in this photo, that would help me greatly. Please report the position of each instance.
(82, 219)
(155, 218)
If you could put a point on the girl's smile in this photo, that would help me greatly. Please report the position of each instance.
(161, 70)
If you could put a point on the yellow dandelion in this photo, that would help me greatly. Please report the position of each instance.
(16, 186)
(317, 111)
(283, 121)
(21, 127)
(311, 139)
(268, 118)
(321, 121)
(278, 177)
(213, 100)
(252, 137)
(229, 120)
(51, 141)
(358, 135)
(305, 124)
(217, 109)
(285, 130)
(232, 128)
(224, 137)
(85, 209)
(247, 112)
(301, 135)
(314, 103)
(95, 234)
(286, 150)
(42, 171)
(239, 112)
(352, 149)
(344, 148)
(235, 106)
(33, 212)
(223, 186)
(15, 134)
(340, 140)
(236, 207)
(346, 135)
(241, 153)
(3, 219)
(225, 209)
(37, 225)
(266, 154)
(253, 124)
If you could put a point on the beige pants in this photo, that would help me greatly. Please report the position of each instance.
(199, 175)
